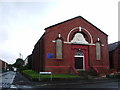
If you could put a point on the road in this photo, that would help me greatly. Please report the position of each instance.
(22, 82)
(6, 79)
(106, 85)
(15, 80)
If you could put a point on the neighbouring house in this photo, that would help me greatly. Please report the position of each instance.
(114, 55)
(3, 65)
(28, 61)
(71, 46)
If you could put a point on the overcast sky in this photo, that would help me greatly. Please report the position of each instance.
(23, 22)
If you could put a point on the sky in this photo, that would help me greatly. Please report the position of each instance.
(22, 22)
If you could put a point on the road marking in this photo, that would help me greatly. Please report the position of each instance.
(13, 78)
(13, 86)
(20, 86)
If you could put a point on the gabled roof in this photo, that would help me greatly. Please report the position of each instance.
(113, 46)
(75, 18)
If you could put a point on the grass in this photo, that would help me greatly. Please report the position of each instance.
(34, 75)
(30, 73)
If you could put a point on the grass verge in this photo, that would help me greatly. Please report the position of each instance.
(35, 76)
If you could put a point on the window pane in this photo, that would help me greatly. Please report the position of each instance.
(98, 51)
(59, 49)
(79, 53)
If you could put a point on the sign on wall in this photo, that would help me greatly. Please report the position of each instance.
(50, 55)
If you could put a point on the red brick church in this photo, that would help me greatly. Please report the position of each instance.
(71, 46)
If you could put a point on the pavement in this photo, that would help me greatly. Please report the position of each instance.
(6, 79)
(22, 82)
(3, 73)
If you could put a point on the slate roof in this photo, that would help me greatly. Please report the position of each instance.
(113, 46)
(75, 18)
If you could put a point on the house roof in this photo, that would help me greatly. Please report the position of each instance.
(113, 46)
(75, 18)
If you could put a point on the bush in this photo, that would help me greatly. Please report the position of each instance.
(87, 74)
(25, 67)
(92, 72)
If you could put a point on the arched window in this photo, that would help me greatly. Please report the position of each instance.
(98, 51)
(79, 53)
(58, 49)
(79, 38)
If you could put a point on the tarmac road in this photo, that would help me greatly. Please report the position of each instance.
(98, 85)
(22, 83)
(7, 79)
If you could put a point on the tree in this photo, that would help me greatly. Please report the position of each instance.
(19, 63)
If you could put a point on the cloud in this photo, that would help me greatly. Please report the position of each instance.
(8, 57)
(22, 24)
(3, 35)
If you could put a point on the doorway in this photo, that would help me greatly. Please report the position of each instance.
(79, 60)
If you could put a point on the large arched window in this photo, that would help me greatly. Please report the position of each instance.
(98, 51)
(79, 38)
(58, 49)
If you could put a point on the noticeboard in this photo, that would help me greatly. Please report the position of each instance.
(50, 55)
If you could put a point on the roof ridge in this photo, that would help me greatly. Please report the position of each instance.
(62, 22)
(115, 42)
(75, 18)
(113, 46)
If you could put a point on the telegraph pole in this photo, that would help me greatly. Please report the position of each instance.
(20, 56)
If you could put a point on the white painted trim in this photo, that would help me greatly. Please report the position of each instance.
(83, 63)
(53, 41)
(78, 43)
(102, 45)
(59, 35)
(78, 56)
(70, 33)
(91, 44)
(80, 28)
(98, 39)
(89, 35)
(67, 42)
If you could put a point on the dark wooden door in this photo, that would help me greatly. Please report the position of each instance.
(79, 62)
